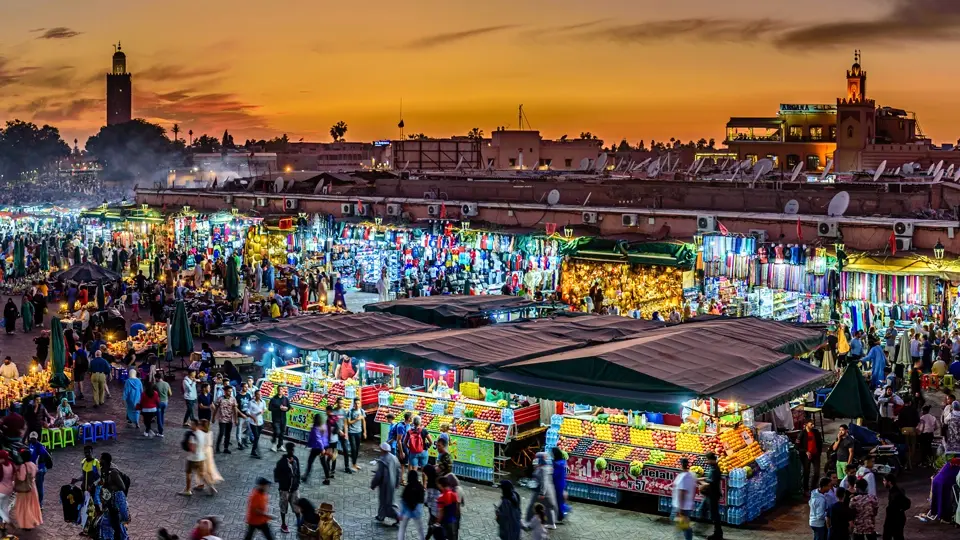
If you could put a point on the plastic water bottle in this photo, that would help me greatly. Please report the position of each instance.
(506, 415)
(383, 398)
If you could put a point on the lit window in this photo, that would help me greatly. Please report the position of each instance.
(813, 162)
(796, 131)
(816, 133)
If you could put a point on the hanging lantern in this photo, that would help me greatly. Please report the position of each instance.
(938, 251)
(378, 220)
(465, 225)
(568, 231)
(839, 246)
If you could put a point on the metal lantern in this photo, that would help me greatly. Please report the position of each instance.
(567, 231)
(938, 251)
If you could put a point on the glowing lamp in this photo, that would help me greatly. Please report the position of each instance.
(938, 251)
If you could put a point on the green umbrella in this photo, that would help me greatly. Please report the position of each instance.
(76, 255)
(101, 296)
(181, 340)
(231, 281)
(44, 257)
(19, 268)
(58, 355)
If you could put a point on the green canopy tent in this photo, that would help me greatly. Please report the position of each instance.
(181, 340)
(58, 355)
(231, 282)
(101, 297)
(851, 398)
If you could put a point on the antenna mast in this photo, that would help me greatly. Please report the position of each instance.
(520, 117)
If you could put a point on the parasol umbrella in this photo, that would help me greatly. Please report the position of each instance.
(58, 355)
(87, 272)
(851, 398)
(181, 340)
(76, 255)
(19, 266)
(232, 280)
(101, 297)
(44, 257)
(245, 307)
(903, 354)
(156, 268)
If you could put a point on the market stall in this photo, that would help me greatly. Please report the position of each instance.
(646, 402)
(454, 311)
(216, 235)
(879, 289)
(630, 279)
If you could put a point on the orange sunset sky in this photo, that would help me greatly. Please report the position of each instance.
(639, 69)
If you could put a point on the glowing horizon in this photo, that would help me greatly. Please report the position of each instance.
(638, 70)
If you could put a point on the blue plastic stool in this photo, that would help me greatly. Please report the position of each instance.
(109, 430)
(98, 432)
(821, 397)
(87, 434)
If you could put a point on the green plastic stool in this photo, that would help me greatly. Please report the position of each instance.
(948, 381)
(45, 437)
(69, 437)
(56, 436)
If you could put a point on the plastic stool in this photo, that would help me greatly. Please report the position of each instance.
(98, 431)
(109, 430)
(71, 397)
(948, 381)
(87, 433)
(56, 438)
(122, 374)
(925, 382)
(45, 437)
(69, 437)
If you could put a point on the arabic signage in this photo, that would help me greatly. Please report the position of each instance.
(652, 480)
(795, 108)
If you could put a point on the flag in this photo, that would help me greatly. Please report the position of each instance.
(799, 230)
(551, 228)
(443, 210)
(893, 243)
(723, 230)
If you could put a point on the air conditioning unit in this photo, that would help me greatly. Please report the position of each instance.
(904, 243)
(759, 234)
(433, 210)
(629, 220)
(902, 228)
(362, 209)
(590, 218)
(468, 209)
(706, 224)
(261, 202)
(290, 204)
(394, 210)
(828, 229)
(346, 209)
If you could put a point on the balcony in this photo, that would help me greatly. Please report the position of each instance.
(747, 137)
(809, 139)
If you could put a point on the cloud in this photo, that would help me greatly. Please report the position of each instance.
(198, 111)
(447, 38)
(50, 109)
(59, 32)
(906, 21)
(701, 29)
(169, 72)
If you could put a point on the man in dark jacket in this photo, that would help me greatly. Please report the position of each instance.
(810, 448)
(287, 476)
(897, 506)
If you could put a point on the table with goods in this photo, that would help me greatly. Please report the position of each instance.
(609, 454)
(479, 430)
(310, 390)
(142, 343)
(37, 382)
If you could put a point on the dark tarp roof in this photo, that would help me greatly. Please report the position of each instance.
(87, 272)
(851, 398)
(789, 338)
(451, 310)
(315, 332)
(777, 385)
(497, 344)
(666, 399)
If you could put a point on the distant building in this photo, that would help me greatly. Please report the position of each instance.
(504, 150)
(333, 156)
(119, 91)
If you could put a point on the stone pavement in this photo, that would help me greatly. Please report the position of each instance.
(155, 467)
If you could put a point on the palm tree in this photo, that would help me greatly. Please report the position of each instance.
(176, 132)
(191, 137)
(338, 130)
(475, 133)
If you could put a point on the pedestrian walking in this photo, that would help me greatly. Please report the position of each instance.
(684, 490)
(194, 444)
(26, 511)
(89, 476)
(148, 407)
(318, 443)
(226, 414)
(341, 415)
(411, 506)
(543, 493)
(211, 474)
(255, 409)
(810, 447)
(286, 474)
(132, 390)
(189, 387)
(258, 519)
(113, 499)
(448, 509)
(839, 516)
(508, 512)
(710, 489)
(416, 441)
(560, 483)
(244, 395)
(865, 508)
(204, 403)
(897, 505)
(385, 481)
(334, 434)
(41, 456)
(356, 430)
(279, 405)
(818, 509)
(99, 371)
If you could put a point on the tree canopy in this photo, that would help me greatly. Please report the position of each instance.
(338, 130)
(24, 147)
(134, 150)
(205, 144)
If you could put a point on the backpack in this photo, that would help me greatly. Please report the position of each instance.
(415, 441)
(186, 441)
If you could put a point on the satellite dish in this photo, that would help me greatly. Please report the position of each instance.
(907, 168)
(699, 166)
(930, 170)
(692, 165)
(602, 162)
(762, 167)
(938, 167)
(826, 170)
(278, 185)
(950, 170)
(956, 175)
(584, 164)
(653, 169)
(880, 169)
(796, 172)
(792, 207)
(405, 165)
(839, 204)
(938, 176)
(553, 197)
(644, 162)
(459, 163)
(745, 164)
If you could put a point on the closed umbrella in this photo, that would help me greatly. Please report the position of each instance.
(57, 355)
(44, 257)
(245, 308)
(76, 255)
(903, 354)
(181, 340)
(232, 280)
(19, 267)
(101, 297)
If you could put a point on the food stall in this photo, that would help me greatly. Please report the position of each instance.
(646, 402)
(450, 311)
